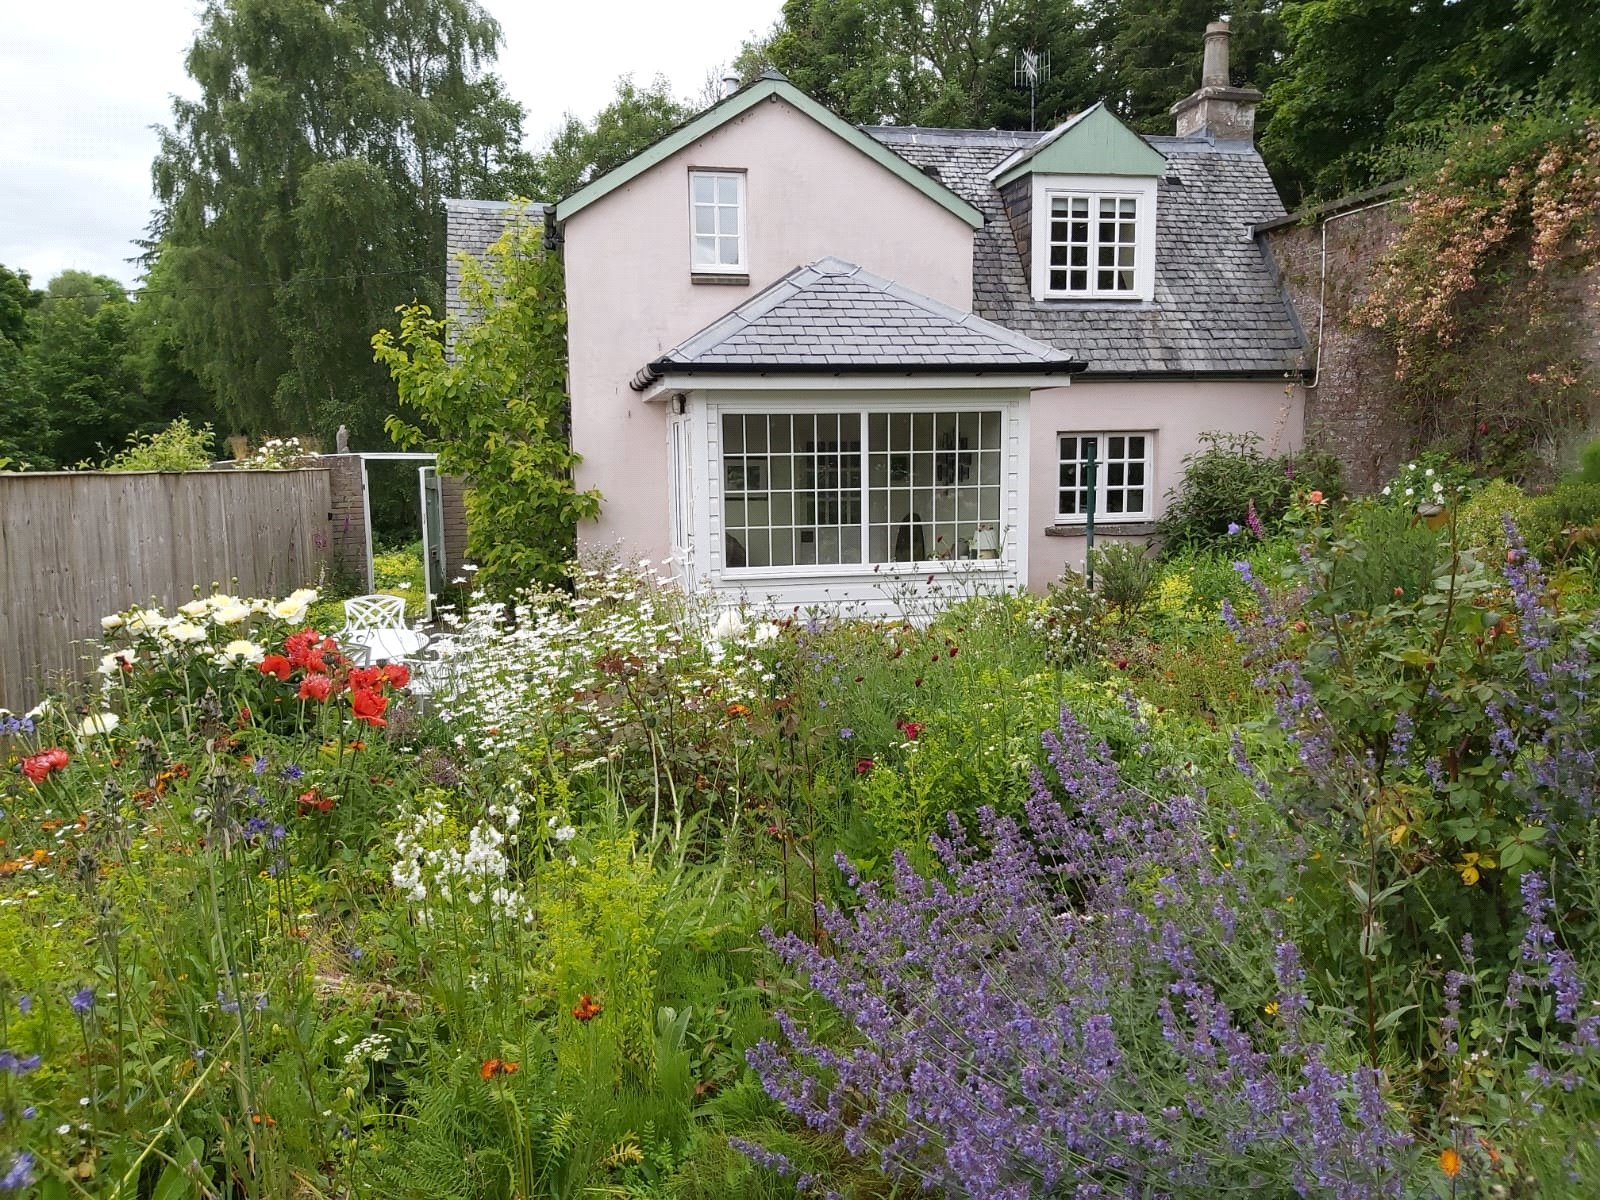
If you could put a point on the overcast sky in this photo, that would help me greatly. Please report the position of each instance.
(82, 81)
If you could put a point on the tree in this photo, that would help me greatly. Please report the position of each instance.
(22, 409)
(1151, 51)
(301, 194)
(1363, 75)
(498, 404)
(582, 150)
(80, 356)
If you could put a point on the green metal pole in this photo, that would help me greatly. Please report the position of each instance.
(1091, 470)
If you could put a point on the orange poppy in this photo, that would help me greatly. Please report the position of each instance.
(493, 1067)
(587, 1008)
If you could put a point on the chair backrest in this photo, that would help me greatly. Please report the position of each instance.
(368, 614)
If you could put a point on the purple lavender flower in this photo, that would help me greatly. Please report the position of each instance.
(292, 772)
(82, 1001)
(25, 1004)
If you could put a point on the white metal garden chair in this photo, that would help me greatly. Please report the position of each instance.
(375, 630)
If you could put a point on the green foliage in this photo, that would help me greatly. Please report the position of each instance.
(951, 64)
(1481, 519)
(497, 406)
(301, 195)
(1125, 573)
(1228, 478)
(1589, 463)
(1559, 520)
(1333, 112)
(22, 408)
(178, 447)
(583, 150)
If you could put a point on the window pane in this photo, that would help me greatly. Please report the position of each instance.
(1080, 281)
(704, 219)
(728, 221)
(705, 251)
(704, 188)
(1124, 281)
(1080, 206)
(732, 433)
(1128, 206)
(727, 189)
(1058, 280)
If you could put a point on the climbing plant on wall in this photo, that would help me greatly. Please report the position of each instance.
(1489, 293)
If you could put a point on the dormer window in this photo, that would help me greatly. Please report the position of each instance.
(1093, 238)
(1094, 244)
(717, 223)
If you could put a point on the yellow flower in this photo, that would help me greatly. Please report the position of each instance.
(1270, 1008)
(1450, 1162)
(1472, 865)
(1395, 834)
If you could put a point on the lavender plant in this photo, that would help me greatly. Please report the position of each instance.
(1087, 999)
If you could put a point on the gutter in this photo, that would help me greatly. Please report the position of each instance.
(661, 368)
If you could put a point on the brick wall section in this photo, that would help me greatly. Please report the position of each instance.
(452, 494)
(348, 512)
(1351, 412)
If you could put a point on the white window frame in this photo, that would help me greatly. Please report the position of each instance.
(742, 267)
(1012, 559)
(1102, 485)
(1049, 188)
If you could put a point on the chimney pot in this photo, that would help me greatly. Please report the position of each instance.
(730, 83)
(1214, 72)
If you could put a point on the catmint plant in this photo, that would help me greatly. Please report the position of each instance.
(1086, 999)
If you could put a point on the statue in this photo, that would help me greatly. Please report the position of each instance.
(341, 441)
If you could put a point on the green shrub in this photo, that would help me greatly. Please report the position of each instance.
(1480, 520)
(1569, 506)
(1227, 478)
(1388, 553)
(1588, 464)
(1126, 574)
(178, 447)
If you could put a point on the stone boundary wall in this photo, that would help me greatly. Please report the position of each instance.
(1350, 410)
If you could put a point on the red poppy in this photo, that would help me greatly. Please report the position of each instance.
(37, 767)
(954, 650)
(275, 664)
(587, 1008)
(365, 678)
(368, 706)
(313, 800)
(315, 687)
(397, 675)
(864, 766)
(912, 729)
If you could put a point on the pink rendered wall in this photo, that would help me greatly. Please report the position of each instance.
(1177, 413)
(630, 299)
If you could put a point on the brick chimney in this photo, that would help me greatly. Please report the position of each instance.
(1217, 110)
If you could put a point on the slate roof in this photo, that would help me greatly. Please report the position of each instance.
(471, 227)
(832, 316)
(1218, 307)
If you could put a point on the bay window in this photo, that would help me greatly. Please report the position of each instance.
(860, 488)
(1122, 485)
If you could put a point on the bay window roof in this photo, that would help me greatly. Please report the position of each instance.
(832, 317)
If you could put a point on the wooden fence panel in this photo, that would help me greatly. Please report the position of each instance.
(75, 546)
